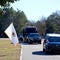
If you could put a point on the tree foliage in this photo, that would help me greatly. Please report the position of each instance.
(5, 2)
(9, 15)
(49, 25)
(41, 26)
(53, 23)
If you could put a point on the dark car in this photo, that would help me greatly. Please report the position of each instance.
(27, 31)
(34, 37)
(51, 43)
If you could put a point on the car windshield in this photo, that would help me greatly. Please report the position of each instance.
(54, 39)
(37, 35)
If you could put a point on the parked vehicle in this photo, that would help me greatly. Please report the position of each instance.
(27, 30)
(51, 43)
(33, 38)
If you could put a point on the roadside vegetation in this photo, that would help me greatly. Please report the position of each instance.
(50, 24)
(8, 51)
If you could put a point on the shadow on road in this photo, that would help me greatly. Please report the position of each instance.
(38, 53)
(24, 43)
(42, 53)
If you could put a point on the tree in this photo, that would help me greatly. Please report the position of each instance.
(6, 2)
(41, 26)
(18, 18)
(53, 23)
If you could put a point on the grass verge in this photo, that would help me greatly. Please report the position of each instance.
(8, 51)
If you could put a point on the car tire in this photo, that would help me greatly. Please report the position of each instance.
(44, 50)
(39, 42)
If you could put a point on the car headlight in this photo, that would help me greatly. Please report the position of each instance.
(31, 38)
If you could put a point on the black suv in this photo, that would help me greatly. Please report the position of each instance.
(31, 31)
(51, 43)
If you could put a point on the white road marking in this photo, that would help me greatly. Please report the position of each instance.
(21, 53)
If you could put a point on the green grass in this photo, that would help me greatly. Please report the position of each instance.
(8, 51)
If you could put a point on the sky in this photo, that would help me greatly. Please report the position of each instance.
(35, 9)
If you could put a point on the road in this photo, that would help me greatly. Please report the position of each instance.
(35, 52)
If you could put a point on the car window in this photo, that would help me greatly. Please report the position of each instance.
(35, 35)
(54, 39)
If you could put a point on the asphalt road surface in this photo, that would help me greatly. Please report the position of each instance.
(35, 52)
